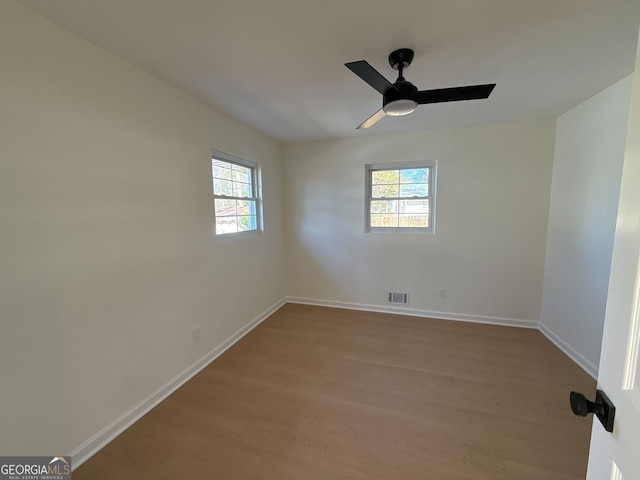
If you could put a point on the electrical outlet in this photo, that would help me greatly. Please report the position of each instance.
(442, 293)
(195, 334)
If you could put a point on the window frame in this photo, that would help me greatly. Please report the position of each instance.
(373, 167)
(256, 192)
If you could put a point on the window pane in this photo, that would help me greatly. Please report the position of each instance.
(226, 225)
(221, 169)
(225, 208)
(384, 191)
(414, 206)
(414, 190)
(222, 187)
(384, 206)
(414, 175)
(381, 177)
(246, 207)
(246, 223)
(241, 174)
(384, 220)
(241, 190)
(414, 221)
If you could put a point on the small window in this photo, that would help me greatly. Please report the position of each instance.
(400, 197)
(235, 194)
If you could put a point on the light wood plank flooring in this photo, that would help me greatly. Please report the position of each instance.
(322, 393)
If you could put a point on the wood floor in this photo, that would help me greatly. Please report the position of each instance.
(330, 394)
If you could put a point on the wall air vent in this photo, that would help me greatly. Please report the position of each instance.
(398, 297)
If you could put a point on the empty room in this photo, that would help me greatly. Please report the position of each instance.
(311, 240)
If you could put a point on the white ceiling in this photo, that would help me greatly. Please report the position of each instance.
(277, 65)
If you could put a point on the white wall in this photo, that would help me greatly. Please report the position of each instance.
(587, 169)
(488, 250)
(108, 257)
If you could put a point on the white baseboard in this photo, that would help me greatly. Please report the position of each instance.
(460, 317)
(90, 447)
(569, 351)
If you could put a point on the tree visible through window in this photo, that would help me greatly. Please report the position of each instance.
(400, 197)
(235, 196)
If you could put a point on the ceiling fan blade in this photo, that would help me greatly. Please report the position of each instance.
(370, 75)
(372, 120)
(455, 94)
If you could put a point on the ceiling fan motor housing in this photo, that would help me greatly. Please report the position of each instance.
(403, 90)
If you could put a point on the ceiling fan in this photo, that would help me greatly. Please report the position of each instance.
(402, 97)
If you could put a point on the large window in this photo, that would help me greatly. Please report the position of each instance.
(235, 194)
(400, 197)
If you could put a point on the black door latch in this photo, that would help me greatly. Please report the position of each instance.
(602, 407)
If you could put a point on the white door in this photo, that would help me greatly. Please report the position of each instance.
(616, 455)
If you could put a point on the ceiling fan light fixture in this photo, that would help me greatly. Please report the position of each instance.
(402, 106)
